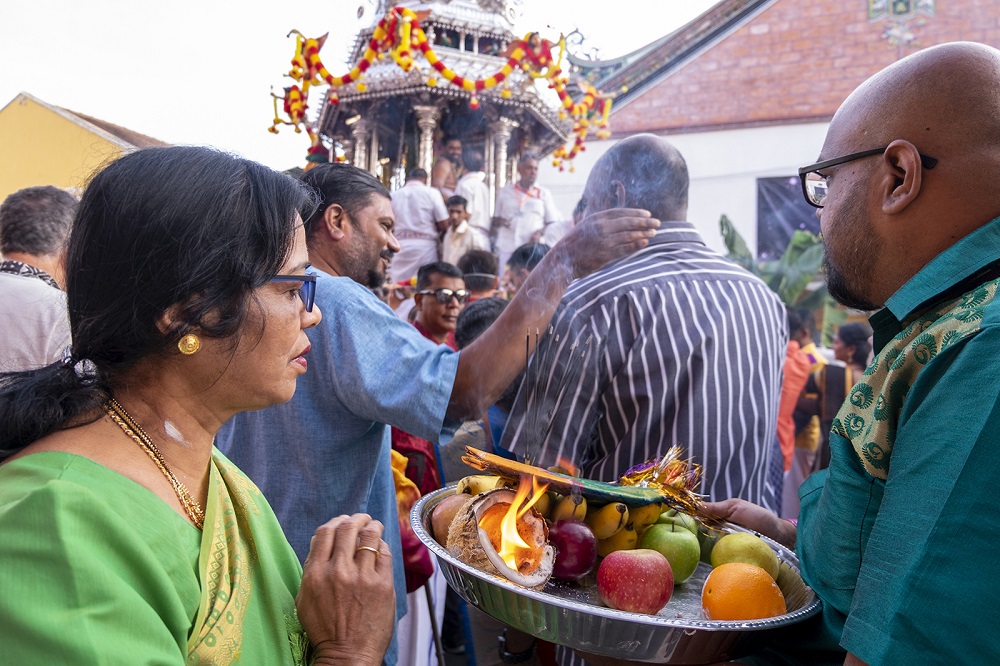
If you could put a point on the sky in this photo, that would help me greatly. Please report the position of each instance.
(200, 71)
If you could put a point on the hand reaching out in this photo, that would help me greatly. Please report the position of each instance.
(604, 237)
(347, 603)
(753, 517)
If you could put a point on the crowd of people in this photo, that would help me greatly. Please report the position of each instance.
(216, 407)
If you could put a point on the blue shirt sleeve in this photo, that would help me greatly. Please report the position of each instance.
(382, 368)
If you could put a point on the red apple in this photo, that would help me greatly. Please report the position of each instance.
(576, 549)
(638, 581)
(442, 515)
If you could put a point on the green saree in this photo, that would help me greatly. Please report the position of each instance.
(96, 569)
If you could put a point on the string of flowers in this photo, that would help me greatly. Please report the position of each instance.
(399, 35)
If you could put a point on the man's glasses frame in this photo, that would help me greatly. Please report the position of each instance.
(307, 292)
(444, 295)
(814, 199)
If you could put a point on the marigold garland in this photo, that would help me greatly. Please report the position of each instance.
(399, 35)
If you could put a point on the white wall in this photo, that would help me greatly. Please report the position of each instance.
(724, 167)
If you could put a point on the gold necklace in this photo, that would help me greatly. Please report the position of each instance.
(135, 432)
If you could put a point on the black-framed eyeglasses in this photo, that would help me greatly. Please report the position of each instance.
(307, 292)
(444, 296)
(814, 183)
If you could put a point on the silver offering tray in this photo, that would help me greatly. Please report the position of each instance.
(573, 615)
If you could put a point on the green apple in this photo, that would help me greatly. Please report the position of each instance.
(672, 516)
(678, 544)
(748, 548)
(708, 537)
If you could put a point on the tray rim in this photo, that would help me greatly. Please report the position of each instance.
(811, 607)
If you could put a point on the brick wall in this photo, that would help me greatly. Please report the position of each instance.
(794, 60)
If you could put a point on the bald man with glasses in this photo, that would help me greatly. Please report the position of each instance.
(899, 536)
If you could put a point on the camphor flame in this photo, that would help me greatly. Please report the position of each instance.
(510, 540)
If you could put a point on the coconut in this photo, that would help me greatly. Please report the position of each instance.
(474, 537)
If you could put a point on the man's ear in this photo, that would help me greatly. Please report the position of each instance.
(900, 184)
(617, 194)
(335, 221)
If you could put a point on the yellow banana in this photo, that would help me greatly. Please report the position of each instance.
(543, 505)
(570, 508)
(624, 539)
(478, 483)
(608, 520)
(644, 516)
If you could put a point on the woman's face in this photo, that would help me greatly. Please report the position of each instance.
(842, 352)
(271, 353)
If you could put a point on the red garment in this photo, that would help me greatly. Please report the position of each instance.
(422, 463)
(796, 374)
(450, 340)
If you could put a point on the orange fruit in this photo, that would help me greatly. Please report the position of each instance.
(739, 591)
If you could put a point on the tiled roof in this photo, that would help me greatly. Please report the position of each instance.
(130, 137)
(644, 65)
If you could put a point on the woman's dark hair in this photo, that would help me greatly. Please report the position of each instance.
(185, 228)
(856, 335)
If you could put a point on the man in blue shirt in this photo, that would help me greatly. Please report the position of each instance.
(326, 452)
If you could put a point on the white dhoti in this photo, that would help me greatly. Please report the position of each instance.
(413, 253)
(416, 639)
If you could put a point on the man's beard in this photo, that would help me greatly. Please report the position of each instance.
(841, 291)
(376, 276)
(844, 283)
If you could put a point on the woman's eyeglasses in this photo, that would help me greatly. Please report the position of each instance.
(307, 292)
(444, 296)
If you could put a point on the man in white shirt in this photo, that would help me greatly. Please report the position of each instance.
(34, 228)
(472, 187)
(523, 209)
(421, 218)
(460, 237)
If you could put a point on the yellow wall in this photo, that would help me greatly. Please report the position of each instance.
(38, 146)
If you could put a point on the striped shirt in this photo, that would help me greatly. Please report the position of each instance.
(684, 348)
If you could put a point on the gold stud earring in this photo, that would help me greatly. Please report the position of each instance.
(189, 344)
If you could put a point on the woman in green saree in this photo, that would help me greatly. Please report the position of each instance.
(127, 537)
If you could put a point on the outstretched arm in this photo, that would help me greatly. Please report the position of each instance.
(488, 365)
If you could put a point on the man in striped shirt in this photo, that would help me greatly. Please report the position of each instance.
(672, 345)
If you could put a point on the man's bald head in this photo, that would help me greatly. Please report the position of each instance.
(642, 171)
(887, 215)
(943, 99)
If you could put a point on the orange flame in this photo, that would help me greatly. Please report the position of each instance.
(510, 540)
(567, 465)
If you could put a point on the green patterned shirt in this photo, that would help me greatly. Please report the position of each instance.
(899, 535)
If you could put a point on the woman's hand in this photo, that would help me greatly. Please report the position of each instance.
(347, 603)
(753, 517)
(604, 237)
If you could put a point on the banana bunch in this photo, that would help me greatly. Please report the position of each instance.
(615, 525)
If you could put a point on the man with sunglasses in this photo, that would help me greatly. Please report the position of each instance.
(440, 296)
(327, 451)
(899, 536)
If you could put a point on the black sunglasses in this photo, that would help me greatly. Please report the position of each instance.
(814, 183)
(307, 292)
(444, 296)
